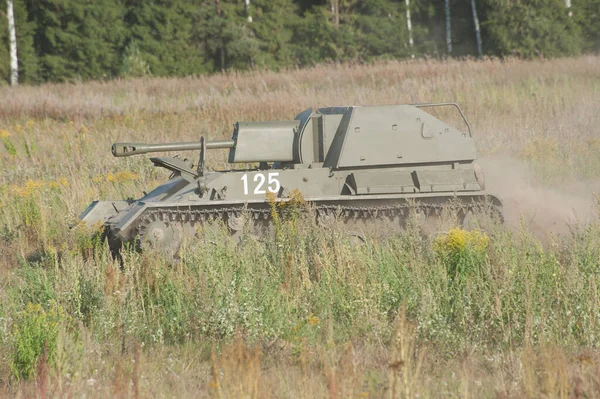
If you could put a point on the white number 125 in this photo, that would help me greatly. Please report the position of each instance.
(259, 178)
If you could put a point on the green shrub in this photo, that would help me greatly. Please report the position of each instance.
(33, 337)
(461, 251)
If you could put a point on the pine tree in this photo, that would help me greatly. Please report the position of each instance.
(272, 25)
(316, 39)
(77, 38)
(163, 32)
(381, 29)
(4, 49)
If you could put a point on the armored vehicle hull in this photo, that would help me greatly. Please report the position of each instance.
(366, 167)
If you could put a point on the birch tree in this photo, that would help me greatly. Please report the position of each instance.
(477, 31)
(247, 5)
(448, 29)
(12, 35)
(409, 26)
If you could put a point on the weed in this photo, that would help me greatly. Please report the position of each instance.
(33, 337)
(462, 252)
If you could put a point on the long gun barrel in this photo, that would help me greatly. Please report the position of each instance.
(271, 141)
(129, 149)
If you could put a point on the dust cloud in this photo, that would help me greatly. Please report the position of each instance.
(543, 210)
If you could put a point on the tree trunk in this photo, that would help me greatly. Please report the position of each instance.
(477, 31)
(448, 30)
(247, 3)
(568, 5)
(14, 64)
(409, 26)
(335, 13)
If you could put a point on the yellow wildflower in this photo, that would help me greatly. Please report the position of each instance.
(4, 134)
(62, 182)
(119, 177)
(457, 239)
(126, 176)
(29, 188)
(33, 186)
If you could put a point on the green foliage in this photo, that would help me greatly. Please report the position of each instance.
(29, 64)
(36, 285)
(381, 29)
(168, 308)
(34, 339)
(316, 39)
(134, 65)
(587, 14)
(8, 145)
(26, 54)
(163, 33)
(272, 24)
(62, 40)
(531, 28)
(78, 39)
(4, 51)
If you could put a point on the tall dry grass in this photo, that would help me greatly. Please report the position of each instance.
(501, 315)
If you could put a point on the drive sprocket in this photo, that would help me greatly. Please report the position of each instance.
(157, 233)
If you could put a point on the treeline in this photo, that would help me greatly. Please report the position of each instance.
(63, 40)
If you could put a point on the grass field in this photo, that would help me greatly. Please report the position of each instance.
(512, 312)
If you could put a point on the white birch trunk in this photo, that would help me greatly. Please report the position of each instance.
(568, 5)
(12, 35)
(247, 3)
(448, 30)
(409, 26)
(477, 31)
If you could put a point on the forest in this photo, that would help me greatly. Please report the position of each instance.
(78, 40)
